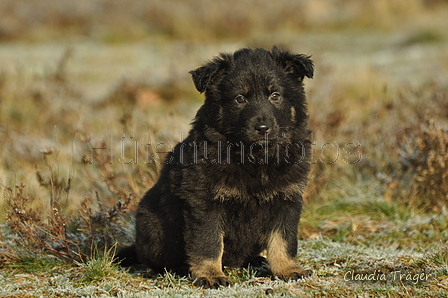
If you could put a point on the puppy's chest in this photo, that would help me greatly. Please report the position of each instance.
(245, 218)
(259, 186)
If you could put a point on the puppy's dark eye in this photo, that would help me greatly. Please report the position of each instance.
(274, 96)
(240, 99)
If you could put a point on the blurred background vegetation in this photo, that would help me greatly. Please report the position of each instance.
(88, 88)
(200, 20)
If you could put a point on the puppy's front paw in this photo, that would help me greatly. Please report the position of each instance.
(298, 274)
(212, 282)
(294, 273)
(208, 273)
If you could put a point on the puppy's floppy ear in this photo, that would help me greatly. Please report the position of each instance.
(204, 75)
(297, 64)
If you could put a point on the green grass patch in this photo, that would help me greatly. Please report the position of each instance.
(34, 264)
(99, 267)
(425, 37)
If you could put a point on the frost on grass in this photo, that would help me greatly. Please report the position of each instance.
(329, 260)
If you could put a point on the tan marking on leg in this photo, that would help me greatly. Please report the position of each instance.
(208, 272)
(206, 268)
(293, 114)
(220, 114)
(282, 265)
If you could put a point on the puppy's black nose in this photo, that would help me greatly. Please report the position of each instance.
(262, 128)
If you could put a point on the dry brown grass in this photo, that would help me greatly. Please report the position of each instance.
(68, 236)
(199, 19)
(423, 177)
(85, 161)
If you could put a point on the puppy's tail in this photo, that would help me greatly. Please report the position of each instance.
(127, 256)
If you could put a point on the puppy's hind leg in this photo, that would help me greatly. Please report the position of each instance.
(127, 256)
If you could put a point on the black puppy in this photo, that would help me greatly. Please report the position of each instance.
(232, 190)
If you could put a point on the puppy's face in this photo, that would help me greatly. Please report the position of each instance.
(255, 95)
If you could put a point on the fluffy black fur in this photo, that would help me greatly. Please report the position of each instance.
(233, 188)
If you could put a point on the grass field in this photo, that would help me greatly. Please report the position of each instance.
(89, 105)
